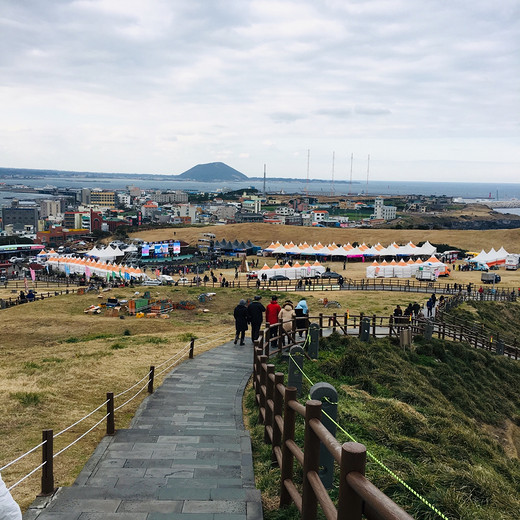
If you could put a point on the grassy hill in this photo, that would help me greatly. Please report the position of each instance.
(442, 416)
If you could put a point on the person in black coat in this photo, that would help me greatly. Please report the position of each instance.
(241, 317)
(255, 312)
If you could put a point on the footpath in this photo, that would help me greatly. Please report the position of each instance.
(186, 455)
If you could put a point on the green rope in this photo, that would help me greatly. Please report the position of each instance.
(373, 457)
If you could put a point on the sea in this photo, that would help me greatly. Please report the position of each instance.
(466, 190)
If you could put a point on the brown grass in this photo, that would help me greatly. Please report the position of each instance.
(264, 234)
(37, 354)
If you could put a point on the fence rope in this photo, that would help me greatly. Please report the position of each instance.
(80, 437)
(372, 457)
(133, 386)
(22, 456)
(174, 356)
(131, 398)
(27, 476)
(82, 419)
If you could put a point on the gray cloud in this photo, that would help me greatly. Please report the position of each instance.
(227, 78)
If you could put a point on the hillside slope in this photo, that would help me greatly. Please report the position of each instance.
(443, 417)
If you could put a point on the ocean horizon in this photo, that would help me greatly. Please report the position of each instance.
(467, 190)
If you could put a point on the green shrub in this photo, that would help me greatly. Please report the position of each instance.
(27, 398)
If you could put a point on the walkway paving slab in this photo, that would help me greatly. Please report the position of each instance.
(186, 455)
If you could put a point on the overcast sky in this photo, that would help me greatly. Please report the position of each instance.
(430, 89)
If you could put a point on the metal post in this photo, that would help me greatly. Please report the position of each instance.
(294, 378)
(328, 396)
(314, 340)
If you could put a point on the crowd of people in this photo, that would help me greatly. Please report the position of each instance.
(279, 318)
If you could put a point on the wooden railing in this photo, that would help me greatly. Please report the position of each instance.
(389, 326)
(278, 408)
(278, 411)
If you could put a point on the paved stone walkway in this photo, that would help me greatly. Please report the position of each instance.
(186, 455)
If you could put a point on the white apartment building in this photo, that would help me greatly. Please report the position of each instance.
(384, 212)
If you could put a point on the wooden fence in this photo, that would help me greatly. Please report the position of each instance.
(389, 326)
(12, 301)
(278, 411)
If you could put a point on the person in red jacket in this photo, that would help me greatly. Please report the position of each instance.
(271, 317)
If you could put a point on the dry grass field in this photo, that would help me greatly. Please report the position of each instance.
(264, 234)
(57, 363)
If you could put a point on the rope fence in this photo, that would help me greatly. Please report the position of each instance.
(47, 485)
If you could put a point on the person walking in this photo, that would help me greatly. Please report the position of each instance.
(302, 316)
(9, 509)
(255, 311)
(240, 314)
(429, 308)
(271, 317)
(287, 315)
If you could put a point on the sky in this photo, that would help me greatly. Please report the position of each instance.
(429, 90)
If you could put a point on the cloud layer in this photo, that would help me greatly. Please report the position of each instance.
(162, 85)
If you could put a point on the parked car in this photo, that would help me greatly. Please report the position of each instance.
(16, 259)
(278, 278)
(151, 281)
(330, 274)
(183, 281)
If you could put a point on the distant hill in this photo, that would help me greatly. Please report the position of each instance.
(213, 172)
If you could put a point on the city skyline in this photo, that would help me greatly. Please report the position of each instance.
(430, 92)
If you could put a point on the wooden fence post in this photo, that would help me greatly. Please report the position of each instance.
(47, 460)
(353, 458)
(110, 414)
(269, 385)
(261, 404)
(321, 324)
(192, 346)
(150, 380)
(286, 471)
(311, 460)
(277, 413)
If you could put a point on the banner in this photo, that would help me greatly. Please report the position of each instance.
(33, 274)
(177, 248)
(145, 250)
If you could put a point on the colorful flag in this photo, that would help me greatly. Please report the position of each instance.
(33, 274)
(87, 272)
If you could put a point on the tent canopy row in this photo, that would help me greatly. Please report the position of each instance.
(403, 269)
(91, 267)
(491, 258)
(347, 250)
